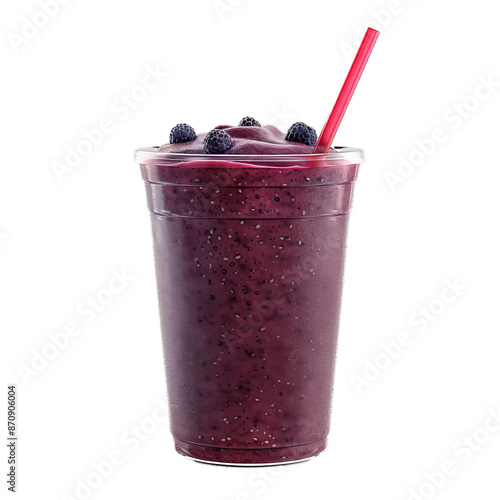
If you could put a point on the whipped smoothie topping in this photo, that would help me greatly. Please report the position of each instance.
(248, 138)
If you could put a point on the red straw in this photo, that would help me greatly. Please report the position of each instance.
(331, 126)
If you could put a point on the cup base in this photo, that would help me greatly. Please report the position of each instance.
(238, 457)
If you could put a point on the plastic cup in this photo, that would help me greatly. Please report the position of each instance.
(249, 254)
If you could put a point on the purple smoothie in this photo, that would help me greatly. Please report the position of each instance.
(249, 257)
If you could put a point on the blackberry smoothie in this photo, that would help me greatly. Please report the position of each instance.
(249, 246)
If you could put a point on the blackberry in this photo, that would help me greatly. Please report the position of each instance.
(182, 132)
(217, 141)
(300, 132)
(248, 121)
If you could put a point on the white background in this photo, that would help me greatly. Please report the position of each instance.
(280, 61)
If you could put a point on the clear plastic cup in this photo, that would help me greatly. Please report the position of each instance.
(249, 254)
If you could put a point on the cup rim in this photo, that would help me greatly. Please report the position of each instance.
(340, 155)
